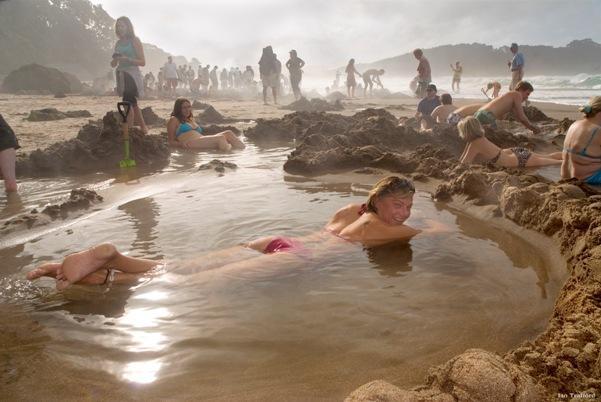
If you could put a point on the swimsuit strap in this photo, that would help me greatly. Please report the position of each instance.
(363, 209)
(590, 140)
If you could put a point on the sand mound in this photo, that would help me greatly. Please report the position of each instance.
(98, 146)
(533, 113)
(79, 199)
(199, 105)
(151, 118)
(210, 115)
(370, 138)
(314, 105)
(49, 114)
(336, 96)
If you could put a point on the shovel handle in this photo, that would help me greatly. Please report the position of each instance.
(124, 108)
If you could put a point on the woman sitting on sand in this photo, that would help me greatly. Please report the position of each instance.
(183, 132)
(379, 221)
(478, 147)
(582, 146)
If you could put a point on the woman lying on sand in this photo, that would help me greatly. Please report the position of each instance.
(183, 132)
(478, 147)
(379, 221)
(582, 146)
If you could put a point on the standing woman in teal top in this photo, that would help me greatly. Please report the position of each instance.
(128, 58)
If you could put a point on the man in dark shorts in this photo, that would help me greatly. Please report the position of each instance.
(8, 157)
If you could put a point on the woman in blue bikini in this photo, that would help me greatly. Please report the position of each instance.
(183, 132)
(582, 146)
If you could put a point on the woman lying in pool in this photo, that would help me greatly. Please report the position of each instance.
(183, 132)
(379, 221)
(479, 148)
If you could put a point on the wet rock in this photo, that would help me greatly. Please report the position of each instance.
(210, 115)
(218, 166)
(314, 105)
(98, 147)
(34, 77)
(79, 199)
(50, 114)
(151, 118)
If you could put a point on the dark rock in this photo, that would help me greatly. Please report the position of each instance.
(50, 114)
(40, 78)
(218, 166)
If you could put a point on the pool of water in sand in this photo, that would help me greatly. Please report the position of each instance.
(314, 328)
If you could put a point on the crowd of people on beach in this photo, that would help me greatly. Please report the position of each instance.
(382, 217)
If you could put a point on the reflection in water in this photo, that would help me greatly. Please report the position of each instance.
(142, 372)
(13, 206)
(511, 245)
(144, 213)
(391, 259)
(13, 259)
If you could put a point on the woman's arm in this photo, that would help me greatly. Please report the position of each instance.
(141, 60)
(302, 62)
(171, 128)
(469, 153)
(565, 170)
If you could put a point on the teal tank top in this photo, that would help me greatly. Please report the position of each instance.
(126, 49)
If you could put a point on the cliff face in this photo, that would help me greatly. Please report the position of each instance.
(579, 56)
(72, 35)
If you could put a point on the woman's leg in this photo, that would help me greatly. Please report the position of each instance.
(7, 168)
(232, 139)
(140, 119)
(98, 277)
(77, 266)
(216, 141)
(536, 160)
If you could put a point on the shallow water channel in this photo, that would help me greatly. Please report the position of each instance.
(313, 328)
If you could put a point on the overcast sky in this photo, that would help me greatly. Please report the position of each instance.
(329, 32)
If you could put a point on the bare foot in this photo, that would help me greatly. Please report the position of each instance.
(77, 266)
(49, 269)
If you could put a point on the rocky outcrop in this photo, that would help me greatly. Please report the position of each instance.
(97, 147)
(33, 77)
(50, 114)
